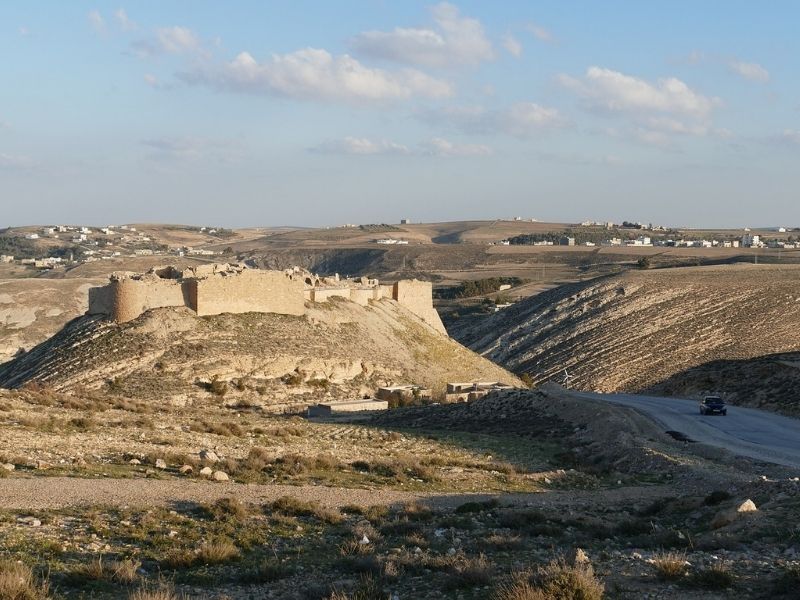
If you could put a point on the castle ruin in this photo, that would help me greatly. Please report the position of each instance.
(224, 288)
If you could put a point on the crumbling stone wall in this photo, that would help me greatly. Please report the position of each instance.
(220, 288)
(132, 297)
(248, 291)
(417, 296)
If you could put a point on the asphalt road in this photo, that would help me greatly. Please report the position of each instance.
(748, 432)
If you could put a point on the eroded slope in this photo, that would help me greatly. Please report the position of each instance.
(337, 350)
(632, 331)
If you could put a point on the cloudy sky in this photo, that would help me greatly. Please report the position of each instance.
(292, 112)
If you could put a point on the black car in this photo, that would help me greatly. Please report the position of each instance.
(713, 405)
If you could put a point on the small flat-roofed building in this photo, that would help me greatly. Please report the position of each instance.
(327, 409)
(466, 392)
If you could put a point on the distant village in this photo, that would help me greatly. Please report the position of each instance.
(663, 239)
(86, 244)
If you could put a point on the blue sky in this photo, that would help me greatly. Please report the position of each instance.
(322, 113)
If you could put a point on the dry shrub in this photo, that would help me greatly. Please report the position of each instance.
(469, 571)
(125, 570)
(17, 582)
(354, 547)
(669, 565)
(217, 552)
(368, 588)
(289, 505)
(222, 508)
(555, 581)
(503, 541)
(161, 591)
(716, 577)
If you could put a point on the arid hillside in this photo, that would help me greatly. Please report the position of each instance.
(337, 350)
(32, 310)
(633, 331)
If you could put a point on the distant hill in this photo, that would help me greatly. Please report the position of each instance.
(650, 330)
(337, 350)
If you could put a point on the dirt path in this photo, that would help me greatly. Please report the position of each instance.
(60, 492)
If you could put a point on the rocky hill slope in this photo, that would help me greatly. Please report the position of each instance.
(33, 309)
(643, 329)
(337, 350)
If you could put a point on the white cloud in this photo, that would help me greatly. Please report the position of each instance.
(457, 40)
(750, 71)
(189, 148)
(96, 21)
(124, 21)
(523, 119)
(170, 40)
(15, 162)
(791, 136)
(613, 91)
(314, 74)
(358, 146)
(177, 39)
(445, 148)
(540, 33)
(361, 147)
(512, 45)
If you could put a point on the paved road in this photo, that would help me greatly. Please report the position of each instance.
(749, 432)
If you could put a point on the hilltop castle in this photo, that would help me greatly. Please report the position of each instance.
(234, 288)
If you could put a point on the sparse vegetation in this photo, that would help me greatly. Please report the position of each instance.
(669, 566)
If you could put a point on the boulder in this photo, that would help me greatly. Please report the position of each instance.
(731, 515)
(206, 471)
(161, 463)
(209, 456)
(186, 469)
(220, 476)
(7, 467)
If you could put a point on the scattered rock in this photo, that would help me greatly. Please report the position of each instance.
(726, 517)
(134, 461)
(7, 467)
(186, 469)
(220, 476)
(161, 463)
(206, 471)
(747, 506)
(29, 521)
(209, 456)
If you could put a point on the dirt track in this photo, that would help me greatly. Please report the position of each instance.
(59, 492)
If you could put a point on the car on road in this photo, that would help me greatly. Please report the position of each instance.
(713, 405)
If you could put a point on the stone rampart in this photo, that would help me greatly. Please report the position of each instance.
(417, 297)
(217, 289)
(249, 291)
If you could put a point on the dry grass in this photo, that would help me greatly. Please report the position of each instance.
(289, 505)
(716, 577)
(669, 565)
(17, 582)
(555, 581)
(161, 591)
(470, 571)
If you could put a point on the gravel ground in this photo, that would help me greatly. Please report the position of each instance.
(60, 492)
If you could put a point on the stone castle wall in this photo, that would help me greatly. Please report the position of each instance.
(249, 291)
(217, 289)
(417, 296)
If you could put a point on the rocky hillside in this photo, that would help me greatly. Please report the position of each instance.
(337, 350)
(643, 329)
(32, 310)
